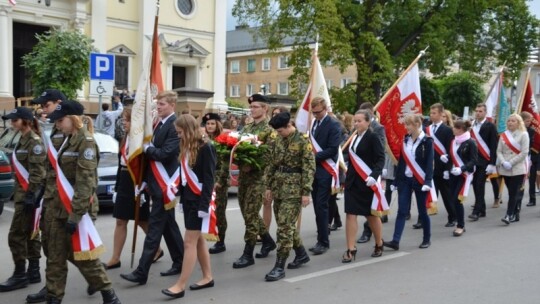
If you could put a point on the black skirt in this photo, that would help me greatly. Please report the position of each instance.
(124, 207)
(192, 221)
(358, 202)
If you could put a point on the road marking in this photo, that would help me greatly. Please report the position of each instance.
(233, 209)
(345, 267)
(9, 209)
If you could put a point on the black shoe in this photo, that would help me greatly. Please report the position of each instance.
(384, 218)
(450, 224)
(113, 266)
(134, 277)
(17, 280)
(531, 204)
(408, 217)
(392, 244)
(203, 286)
(267, 246)
(32, 273)
(218, 247)
(90, 290)
(474, 217)
(424, 245)
(334, 227)
(171, 294)
(506, 219)
(417, 226)
(109, 297)
(514, 218)
(246, 259)
(319, 249)
(301, 258)
(278, 272)
(40, 296)
(53, 300)
(481, 214)
(364, 238)
(174, 270)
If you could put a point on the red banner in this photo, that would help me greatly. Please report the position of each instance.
(529, 105)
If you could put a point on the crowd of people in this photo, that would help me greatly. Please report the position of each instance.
(57, 179)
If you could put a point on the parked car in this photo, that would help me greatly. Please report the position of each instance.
(107, 167)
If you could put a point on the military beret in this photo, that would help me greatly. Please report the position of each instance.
(281, 120)
(69, 107)
(19, 112)
(259, 98)
(210, 116)
(49, 95)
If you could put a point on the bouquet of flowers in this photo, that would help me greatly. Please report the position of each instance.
(244, 149)
(224, 144)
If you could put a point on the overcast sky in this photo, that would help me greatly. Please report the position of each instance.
(231, 22)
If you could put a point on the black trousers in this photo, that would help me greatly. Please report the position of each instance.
(479, 188)
(532, 177)
(513, 184)
(161, 223)
(456, 182)
(443, 187)
(333, 211)
(322, 189)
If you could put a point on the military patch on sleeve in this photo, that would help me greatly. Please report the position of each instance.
(38, 149)
(89, 153)
(308, 147)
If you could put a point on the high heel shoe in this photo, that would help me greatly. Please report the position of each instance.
(378, 251)
(349, 256)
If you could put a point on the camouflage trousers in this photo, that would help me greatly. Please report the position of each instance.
(286, 212)
(222, 195)
(20, 232)
(60, 251)
(250, 199)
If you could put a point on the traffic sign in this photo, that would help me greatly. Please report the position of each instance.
(101, 66)
(101, 87)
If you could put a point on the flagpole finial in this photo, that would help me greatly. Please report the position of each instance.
(423, 52)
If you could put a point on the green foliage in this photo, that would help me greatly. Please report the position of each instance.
(460, 90)
(344, 99)
(430, 93)
(60, 60)
(235, 103)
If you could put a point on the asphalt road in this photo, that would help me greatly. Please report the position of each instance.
(490, 263)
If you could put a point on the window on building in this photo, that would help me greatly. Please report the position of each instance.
(345, 81)
(249, 89)
(235, 66)
(308, 63)
(235, 90)
(302, 88)
(266, 64)
(283, 62)
(329, 83)
(185, 6)
(283, 88)
(251, 65)
(121, 71)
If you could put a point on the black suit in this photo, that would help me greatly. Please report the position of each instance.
(445, 135)
(468, 152)
(488, 132)
(204, 168)
(328, 136)
(162, 222)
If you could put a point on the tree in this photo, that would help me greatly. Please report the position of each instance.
(381, 37)
(60, 60)
(430, 93)
(461, 90)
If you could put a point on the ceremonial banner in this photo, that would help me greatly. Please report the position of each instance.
(529, 105)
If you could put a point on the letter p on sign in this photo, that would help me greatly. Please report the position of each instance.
(101, 66)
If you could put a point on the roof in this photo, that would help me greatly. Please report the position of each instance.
(241, 39)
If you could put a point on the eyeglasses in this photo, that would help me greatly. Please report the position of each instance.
(317, 112)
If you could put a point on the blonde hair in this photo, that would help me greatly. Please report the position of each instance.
(318, 101)
(521, 124)
(192, 137)
(80, 121)
(170, 96)
(413, 119)
(449, 118)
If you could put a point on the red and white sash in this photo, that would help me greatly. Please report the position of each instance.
(209, 223)
(379, 205)
(458, 162)
(86, 243)
(420, 176)
(167, 184)
(328, 164)
(511, 142)
(482, 146)
(439, 147)
(20, 171)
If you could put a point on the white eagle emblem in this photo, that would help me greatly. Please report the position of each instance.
(408, 107)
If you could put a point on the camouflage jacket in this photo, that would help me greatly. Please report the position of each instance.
(30, 152)
(266, 135)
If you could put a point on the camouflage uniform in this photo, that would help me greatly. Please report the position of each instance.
(251, 187)
(290, 176)
(78, 159)
(222, 194)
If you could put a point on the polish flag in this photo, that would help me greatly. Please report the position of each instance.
(529, 105)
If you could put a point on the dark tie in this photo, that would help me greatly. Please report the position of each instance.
(315, 126)
(156, 129)
(434, 129)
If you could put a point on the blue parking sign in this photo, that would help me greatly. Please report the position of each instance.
(101, 66)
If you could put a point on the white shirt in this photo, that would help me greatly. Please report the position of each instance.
(357, 140)
(411, 146)
(477, 125)
(106, 121)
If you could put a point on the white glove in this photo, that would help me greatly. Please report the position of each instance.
(139, 189)
(370, 181)
(491, 169)
(384, 173)
(426, 188)
(444, 158)
(202, 214)
(146, 146)
(114, 197)
(446, 175)
(507, 165)
(456, 171)
(393, 188)
(142, 200)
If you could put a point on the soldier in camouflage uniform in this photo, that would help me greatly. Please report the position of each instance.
(290, 176)
(251, 187)
(77, 158)
(29, 157)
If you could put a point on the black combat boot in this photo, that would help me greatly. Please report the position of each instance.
(33, 271)
(278, 272)
(246, 259)
(53, 300)
(217, 248)
(301, 258)
(17, 280)
(39, 297)
(109, 297)
(268, 245)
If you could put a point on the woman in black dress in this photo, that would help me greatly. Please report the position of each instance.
(359, 193)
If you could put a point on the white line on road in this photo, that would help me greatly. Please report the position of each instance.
(345, 267)
(232, 209)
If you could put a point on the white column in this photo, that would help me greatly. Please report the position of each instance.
(169, 74)
(220, 35)
(99, 24)
(6, 65)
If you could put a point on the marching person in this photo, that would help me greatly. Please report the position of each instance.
(512, 163)
(251, 188)
(463, 158)
(124, 201)
(534, 156)
(77, 160)
(162, 164)
(485, 134)
(366, 162)
(289, 179)
(198, 165)
(28, 161)
(414, 175)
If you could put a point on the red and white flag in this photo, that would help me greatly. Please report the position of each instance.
(529, 105)
(494, 95)
(403, 99)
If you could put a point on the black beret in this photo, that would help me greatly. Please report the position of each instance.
(49, 95)
(281, 120)
(259, 98)
(19, 112)
(210, 116)
(69, 107)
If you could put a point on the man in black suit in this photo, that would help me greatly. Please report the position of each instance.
(327, 133)
(485, 134)
(163, 149)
